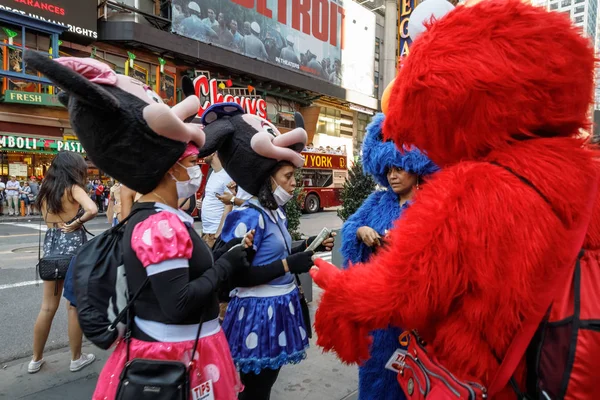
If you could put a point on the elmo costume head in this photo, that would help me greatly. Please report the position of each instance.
(485, 76)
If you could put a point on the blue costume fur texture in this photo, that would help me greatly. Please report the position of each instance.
(376, 382)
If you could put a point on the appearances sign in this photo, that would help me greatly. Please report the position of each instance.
(38, 144)
(79, 16)
(301, 35)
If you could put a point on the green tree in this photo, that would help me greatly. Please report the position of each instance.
(356, 189)
(293, 209)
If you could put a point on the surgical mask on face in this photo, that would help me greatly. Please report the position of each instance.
(281, 196)
(187, 188)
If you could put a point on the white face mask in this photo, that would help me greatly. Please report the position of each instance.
(187, 188)
(281, 196)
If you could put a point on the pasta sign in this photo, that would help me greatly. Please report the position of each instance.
(207, 92)
(406, 9)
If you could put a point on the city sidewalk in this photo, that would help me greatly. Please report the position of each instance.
(32, 218)
(319, 377)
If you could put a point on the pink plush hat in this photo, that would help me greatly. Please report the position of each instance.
(190, 150)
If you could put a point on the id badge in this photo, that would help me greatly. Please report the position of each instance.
(396, 361)
(204, 391)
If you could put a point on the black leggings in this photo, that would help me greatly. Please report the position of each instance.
(258, 387)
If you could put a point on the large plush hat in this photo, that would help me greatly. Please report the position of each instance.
(485, 76)
(250, 147)
(378, 155)
(124, 126)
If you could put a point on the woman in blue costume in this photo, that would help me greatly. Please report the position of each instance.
(264, 322)
(401, 174)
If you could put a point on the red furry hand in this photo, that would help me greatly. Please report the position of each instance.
(339, 334)
(323, 273)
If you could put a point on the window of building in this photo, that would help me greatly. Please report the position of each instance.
(579, 9)
(361, 128)
(281, 112)
(329, 121)
(554, 6)
(17, 77)
(579, 1)
(565, 3)
(579, 19)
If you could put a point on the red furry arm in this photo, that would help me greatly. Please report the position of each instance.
(460, 237)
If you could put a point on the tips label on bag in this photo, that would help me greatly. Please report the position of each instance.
(204, 391)
(396, 361)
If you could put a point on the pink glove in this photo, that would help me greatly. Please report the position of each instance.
(323, 273)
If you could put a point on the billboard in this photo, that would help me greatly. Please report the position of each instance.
(79, 16)
(301, 35)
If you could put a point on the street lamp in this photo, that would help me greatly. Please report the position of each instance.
(365, 1)
(382, 7)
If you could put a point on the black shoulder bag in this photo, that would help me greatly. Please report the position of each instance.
(53, 267)
(146, 379)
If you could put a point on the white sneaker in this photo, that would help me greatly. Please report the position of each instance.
(34, 366)
(84, 361)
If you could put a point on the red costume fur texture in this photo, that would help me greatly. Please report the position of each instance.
(497, 82)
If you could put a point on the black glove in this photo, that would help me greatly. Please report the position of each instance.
(234, 260)
(300, 263)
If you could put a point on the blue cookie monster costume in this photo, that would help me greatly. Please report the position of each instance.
(376, 382)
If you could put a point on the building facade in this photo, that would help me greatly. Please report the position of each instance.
(274, 61)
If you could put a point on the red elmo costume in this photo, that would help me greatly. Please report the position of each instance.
(499, 82)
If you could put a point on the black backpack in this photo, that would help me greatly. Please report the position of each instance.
(100, 283)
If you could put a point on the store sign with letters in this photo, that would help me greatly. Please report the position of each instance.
(40, 99)
(37, 144)
(324, 161)
(207, 92)
(80, 17)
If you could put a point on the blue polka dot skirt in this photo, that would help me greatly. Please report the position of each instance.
(265, 332)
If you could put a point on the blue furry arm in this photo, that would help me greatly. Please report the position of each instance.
(353, 249)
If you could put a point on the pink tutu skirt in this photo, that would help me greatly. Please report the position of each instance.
(213, 362)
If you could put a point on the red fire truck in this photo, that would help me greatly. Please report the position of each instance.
(323, 177)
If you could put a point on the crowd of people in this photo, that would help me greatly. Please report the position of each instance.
(485, 231)
(15, 192)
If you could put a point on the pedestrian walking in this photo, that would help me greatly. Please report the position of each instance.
(26, 196)
(13, 187)
(212, 207)
(35, 189)
(65, 207)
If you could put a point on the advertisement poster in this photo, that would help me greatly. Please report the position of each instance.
(305, 36)
(80, 17)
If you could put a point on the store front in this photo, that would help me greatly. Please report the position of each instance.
(27, 155)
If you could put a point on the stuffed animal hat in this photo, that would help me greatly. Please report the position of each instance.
(485, 76)
(250, 147)
(123, 125)
(379, 155)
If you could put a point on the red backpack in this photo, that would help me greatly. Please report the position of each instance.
(563, 359)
